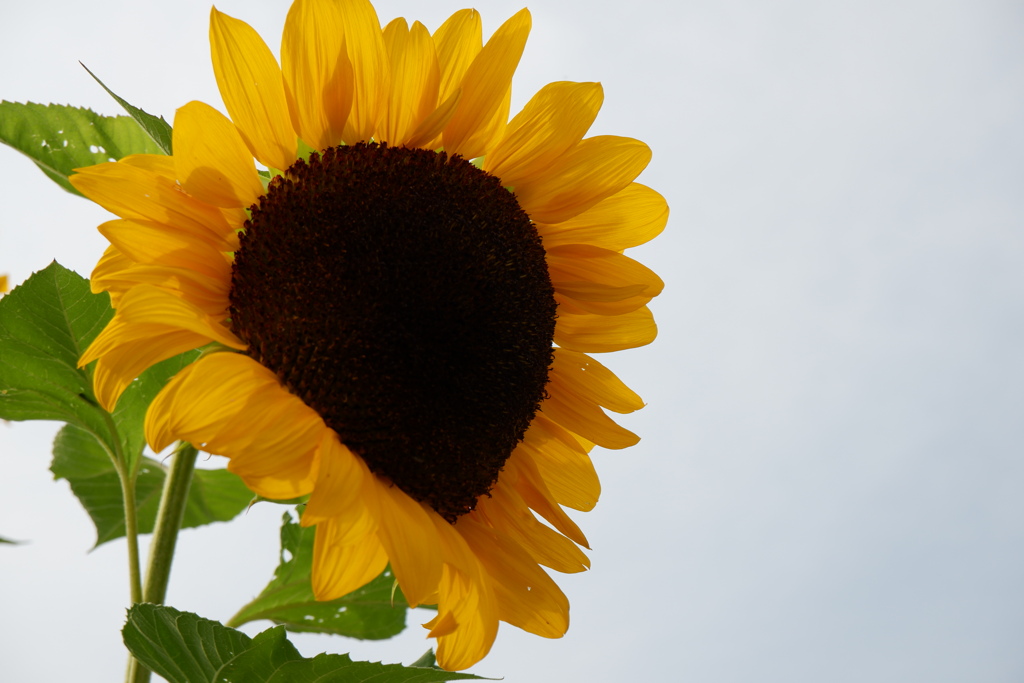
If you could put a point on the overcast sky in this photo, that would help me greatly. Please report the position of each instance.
(829, 485)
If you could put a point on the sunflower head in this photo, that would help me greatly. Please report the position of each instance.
(398, 324)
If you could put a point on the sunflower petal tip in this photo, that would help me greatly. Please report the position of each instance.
(441, 625)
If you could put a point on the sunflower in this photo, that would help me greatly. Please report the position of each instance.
(395, 315)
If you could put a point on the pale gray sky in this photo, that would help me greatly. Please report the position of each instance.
(829, 482)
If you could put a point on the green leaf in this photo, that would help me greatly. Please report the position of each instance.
(214, 496)
(368, 613)
(156, 127)
(341, 669)
(59, 138)
(181, 646)
(45, 325)
(184, 648)
(9, 541)
(268, 652)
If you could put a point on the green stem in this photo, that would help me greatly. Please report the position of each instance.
(131, 532)
(168, 523)
(165, 537)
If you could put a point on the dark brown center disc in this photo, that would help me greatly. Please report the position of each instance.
(403, 295)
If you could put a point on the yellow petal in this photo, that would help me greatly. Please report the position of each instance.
(151, 325)
(340, 568)
(601, 281)
(567, 306)
(428, 133)
(458, 41)
(317, 71)
(252, 87)
(365, 44)
(522, 474)
(475, 627)
(146, 305)
(600, 299)
(230, 405)
(112, 262)
(585, 417)
(212, 162)
(155, 244)
(630, 217)
(596, 168)
(414, 80)
(405, 530)
(562, 462)
(604, 266)
(550, 124)
(505, 509)
(235, 217)
(119, 366)
(441, 625)
(603, 333)
(527, 597)
(482, 113)
(584, 298)
(587, 446)
(340, 490)
(136, 193)
(581, 375)
(467, 609)
(160, 164)
(117, 274)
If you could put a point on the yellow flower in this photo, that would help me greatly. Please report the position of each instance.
(390, 329)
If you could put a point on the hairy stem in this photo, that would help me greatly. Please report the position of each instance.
(165, 537)
(168, 523)
(131, 532)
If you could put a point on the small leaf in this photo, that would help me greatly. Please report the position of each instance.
(9, 541)
(427, 660)
(156, 127)
(184, 648)
(368, 613)
(214, 496)
(45, 325)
